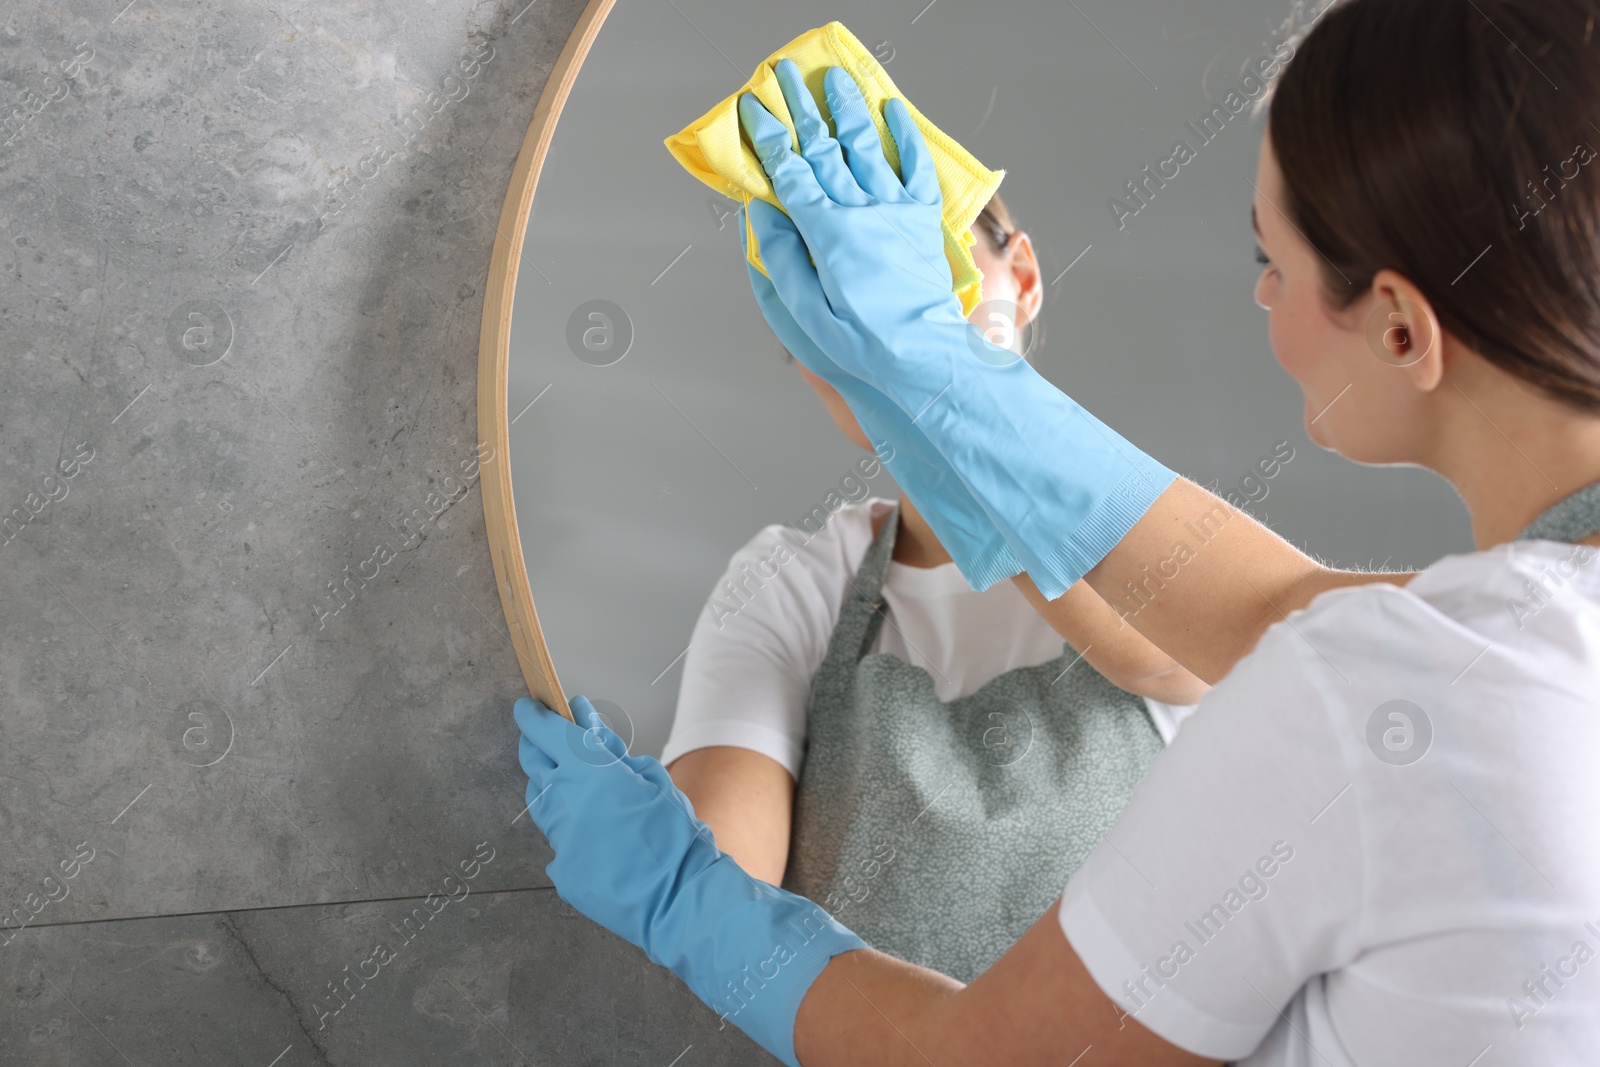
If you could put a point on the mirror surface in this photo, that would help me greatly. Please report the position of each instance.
(634, 481)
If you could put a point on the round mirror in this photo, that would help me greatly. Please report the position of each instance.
(651, 422)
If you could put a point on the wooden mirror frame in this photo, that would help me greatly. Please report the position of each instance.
(494, 360)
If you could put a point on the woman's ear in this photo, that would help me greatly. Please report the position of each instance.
(1403, 330)
(1024, 267)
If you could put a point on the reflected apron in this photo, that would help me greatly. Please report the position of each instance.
(940, 832)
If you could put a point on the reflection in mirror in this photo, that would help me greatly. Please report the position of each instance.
(708, 534)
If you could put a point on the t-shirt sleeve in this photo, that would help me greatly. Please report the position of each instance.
(756, 646)
(1168, 717)
(1234, 875)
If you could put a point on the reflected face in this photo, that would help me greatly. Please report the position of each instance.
(1011, 276)
(1356, 404)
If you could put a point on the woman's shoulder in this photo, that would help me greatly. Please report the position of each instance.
(1512, 579)
(1469, 586)
(1460, 607)
(833, 547)
(802, 568)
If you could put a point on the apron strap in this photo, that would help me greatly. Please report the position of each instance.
(861, 615)
(1570, 519)
(868, 582)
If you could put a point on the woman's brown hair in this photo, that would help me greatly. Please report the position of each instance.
(1453, 141)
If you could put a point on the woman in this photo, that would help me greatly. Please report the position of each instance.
(1377, 840)
(922, 780)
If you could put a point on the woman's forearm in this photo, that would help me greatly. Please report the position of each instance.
(1037, 1006)
(1127, 658)
(1203, 580)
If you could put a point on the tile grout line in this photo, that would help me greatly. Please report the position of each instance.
(262, 907)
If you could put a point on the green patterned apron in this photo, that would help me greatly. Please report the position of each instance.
(940, 832)
(1572, 518)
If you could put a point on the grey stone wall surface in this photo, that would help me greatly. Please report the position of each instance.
(255, 684)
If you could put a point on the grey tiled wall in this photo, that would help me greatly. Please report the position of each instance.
(244, 251)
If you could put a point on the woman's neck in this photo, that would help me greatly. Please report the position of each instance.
(1533, 453)
(914, 543)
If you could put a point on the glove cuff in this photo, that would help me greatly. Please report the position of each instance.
(755, 955)
(1060, 486)
(773, 1028)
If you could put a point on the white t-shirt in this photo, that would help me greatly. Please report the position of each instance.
(1285, 888)
(764, 631)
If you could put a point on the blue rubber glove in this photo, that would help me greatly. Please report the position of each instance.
(631, 855)
(961, 524)
(869, 283)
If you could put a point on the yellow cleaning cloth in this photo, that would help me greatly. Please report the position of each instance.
(713, 147)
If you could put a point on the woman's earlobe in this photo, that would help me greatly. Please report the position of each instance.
(1029, 304)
